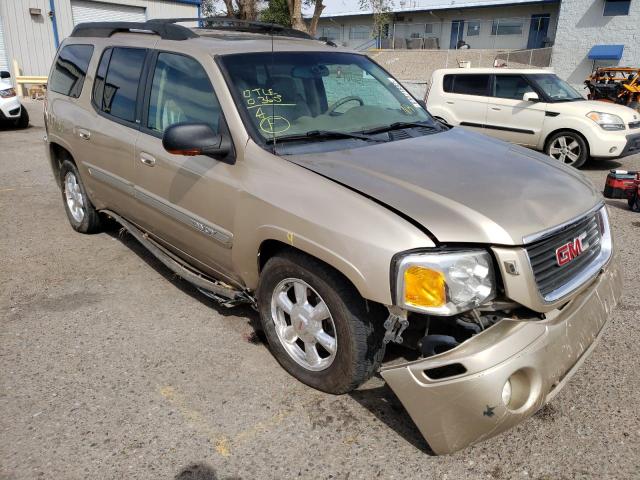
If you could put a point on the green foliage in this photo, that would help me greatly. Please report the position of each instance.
(277, 11)
(381, 14)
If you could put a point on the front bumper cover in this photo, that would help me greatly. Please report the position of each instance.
(455, 412)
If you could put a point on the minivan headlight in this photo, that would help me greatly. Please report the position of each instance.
(445, 283)
(607, 121)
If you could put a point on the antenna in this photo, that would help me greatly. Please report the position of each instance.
(273, 105)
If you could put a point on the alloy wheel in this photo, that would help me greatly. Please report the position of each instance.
(73, 195)
(304, 324)
(566, 149)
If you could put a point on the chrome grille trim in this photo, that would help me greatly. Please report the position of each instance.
(555, 282)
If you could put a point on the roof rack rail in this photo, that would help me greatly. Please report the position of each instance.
(166, 30)
(237, 25)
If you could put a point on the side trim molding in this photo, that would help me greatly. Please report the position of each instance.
(497, 127)
(217, 233)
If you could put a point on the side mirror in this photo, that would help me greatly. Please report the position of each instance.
(197, 139)
(531, 97)
(5, 74)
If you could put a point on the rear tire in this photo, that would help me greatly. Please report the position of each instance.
(568, 147)
(347, 341)
(23, 120)
(82, 216)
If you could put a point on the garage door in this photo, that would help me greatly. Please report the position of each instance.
(89, 11)
(4, 64)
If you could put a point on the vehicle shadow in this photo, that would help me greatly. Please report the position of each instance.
(602, 164)
(117, 232)
(382, 402)
(7, 126)
(200, 471)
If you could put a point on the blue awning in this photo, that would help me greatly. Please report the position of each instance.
(606, 52)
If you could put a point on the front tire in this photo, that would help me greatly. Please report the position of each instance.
(82, 216)
(569, 148)
(317, 324)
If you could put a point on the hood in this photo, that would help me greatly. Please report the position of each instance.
(462, 186)
(583, 107)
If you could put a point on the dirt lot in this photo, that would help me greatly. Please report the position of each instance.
(110, 367)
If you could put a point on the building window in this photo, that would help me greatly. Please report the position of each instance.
(473, 28)
(330, 33)
(613, 8)
(428, 28)
(359, 32)
(506, 26)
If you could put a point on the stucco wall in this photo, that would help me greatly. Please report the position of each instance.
(441, 25)
(581, 25)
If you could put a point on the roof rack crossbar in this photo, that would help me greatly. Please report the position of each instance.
(165, 30)
(238, 25)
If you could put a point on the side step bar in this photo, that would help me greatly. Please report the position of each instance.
(222, 293)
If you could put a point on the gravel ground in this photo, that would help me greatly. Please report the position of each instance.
(110, 367)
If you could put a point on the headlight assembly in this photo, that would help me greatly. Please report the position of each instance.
(9, 92)
(445, 283)
(607, 121)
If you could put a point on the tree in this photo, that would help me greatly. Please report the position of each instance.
(277, 11)
(295, 11)
(241, 9)
(283, 12)
(381, 15)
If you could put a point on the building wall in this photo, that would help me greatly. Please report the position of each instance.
(30, 39)
(581, 26)
(440, 21)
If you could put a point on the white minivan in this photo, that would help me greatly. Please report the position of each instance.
(534, 108)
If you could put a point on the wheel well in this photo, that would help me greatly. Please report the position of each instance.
(271, 248)
(560, 130)
(58, 154)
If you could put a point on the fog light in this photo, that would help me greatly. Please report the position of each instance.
(506, 393)
(613, 149)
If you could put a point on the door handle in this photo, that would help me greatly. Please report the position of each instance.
(84, 134)
(450, 103)
(496, 108)
(147, 159)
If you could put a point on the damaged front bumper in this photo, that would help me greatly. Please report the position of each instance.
(537, 357)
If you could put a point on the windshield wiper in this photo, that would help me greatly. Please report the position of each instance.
(322, 135)
(399, 125)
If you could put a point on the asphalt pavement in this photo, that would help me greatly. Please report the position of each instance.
(111, 368)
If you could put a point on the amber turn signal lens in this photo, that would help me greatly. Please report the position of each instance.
(424, 287)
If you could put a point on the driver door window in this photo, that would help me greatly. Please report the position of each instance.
(181, 92)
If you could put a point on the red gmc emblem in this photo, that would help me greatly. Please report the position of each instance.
(571, 249)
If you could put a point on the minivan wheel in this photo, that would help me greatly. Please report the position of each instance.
(82, 216)
(317, 324)
(568, 148)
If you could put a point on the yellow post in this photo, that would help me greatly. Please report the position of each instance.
(16, 74)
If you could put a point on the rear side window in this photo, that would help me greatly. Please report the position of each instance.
(70, 70)
(181, 92)
(472, 84)
(511, 87)
(116, 86)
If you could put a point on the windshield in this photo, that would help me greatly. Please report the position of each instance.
(292, 94)
(555, 88)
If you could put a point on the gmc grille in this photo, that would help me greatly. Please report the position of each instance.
(542, 254)
(633, 125)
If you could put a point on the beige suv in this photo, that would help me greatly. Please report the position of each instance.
(276, 170)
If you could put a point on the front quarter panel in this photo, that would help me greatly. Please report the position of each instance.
(287, 203)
